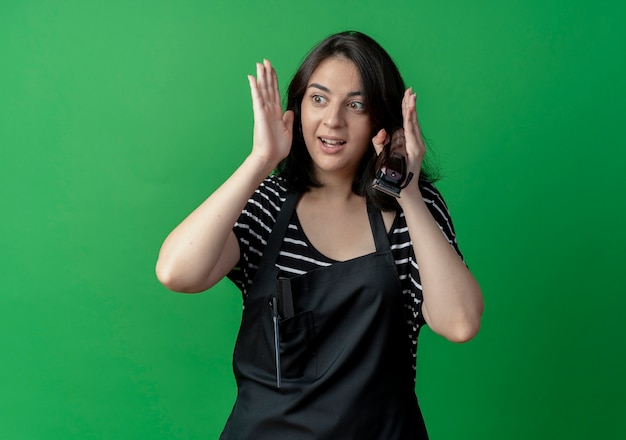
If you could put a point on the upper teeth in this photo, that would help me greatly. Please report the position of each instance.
(332, 141)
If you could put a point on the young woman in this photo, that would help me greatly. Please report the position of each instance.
(337, 278)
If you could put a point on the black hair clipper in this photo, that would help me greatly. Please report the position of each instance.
(391, 177)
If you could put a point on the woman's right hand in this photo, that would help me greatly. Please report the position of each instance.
(273, 129)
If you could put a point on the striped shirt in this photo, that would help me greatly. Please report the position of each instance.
(297, 256)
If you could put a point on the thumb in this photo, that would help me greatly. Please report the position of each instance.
(380, 140)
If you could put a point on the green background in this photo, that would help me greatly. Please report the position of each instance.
(117, 118)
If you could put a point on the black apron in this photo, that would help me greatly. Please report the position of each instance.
(345, 368)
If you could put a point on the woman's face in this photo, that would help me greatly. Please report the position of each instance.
(335, 119)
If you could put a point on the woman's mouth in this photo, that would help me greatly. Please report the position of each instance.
(332, 143)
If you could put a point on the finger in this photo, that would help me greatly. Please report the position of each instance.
(272, 82)
(261, 79)
(409, 105)
(254, 90)
(409, 111)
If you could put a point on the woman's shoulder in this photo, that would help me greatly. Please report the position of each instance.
(432, 196)
(272, 190)
(439, 209)
(428, 187)
(267, 198)
(273, 184)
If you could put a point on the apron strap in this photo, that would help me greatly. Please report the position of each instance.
(378, 229)
(275, 240)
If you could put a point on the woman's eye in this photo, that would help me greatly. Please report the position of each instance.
(318, 99)
(356, 105)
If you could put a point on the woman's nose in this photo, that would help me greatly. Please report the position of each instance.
(333, 116)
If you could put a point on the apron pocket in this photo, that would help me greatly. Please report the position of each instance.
(298, 344)
(298, 350)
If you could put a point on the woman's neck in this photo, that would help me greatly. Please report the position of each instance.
(334, 187)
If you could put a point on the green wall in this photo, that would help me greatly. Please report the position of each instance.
(118, 117)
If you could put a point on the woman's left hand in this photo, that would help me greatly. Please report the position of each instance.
(414, 144)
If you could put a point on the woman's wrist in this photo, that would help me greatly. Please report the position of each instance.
(411, 198)
(261, 164)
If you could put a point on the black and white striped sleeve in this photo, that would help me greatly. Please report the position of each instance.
(439, 210)
(253, 228)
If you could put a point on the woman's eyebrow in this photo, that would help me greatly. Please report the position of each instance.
(327, 90)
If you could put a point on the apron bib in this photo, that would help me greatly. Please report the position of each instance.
(343, 369)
